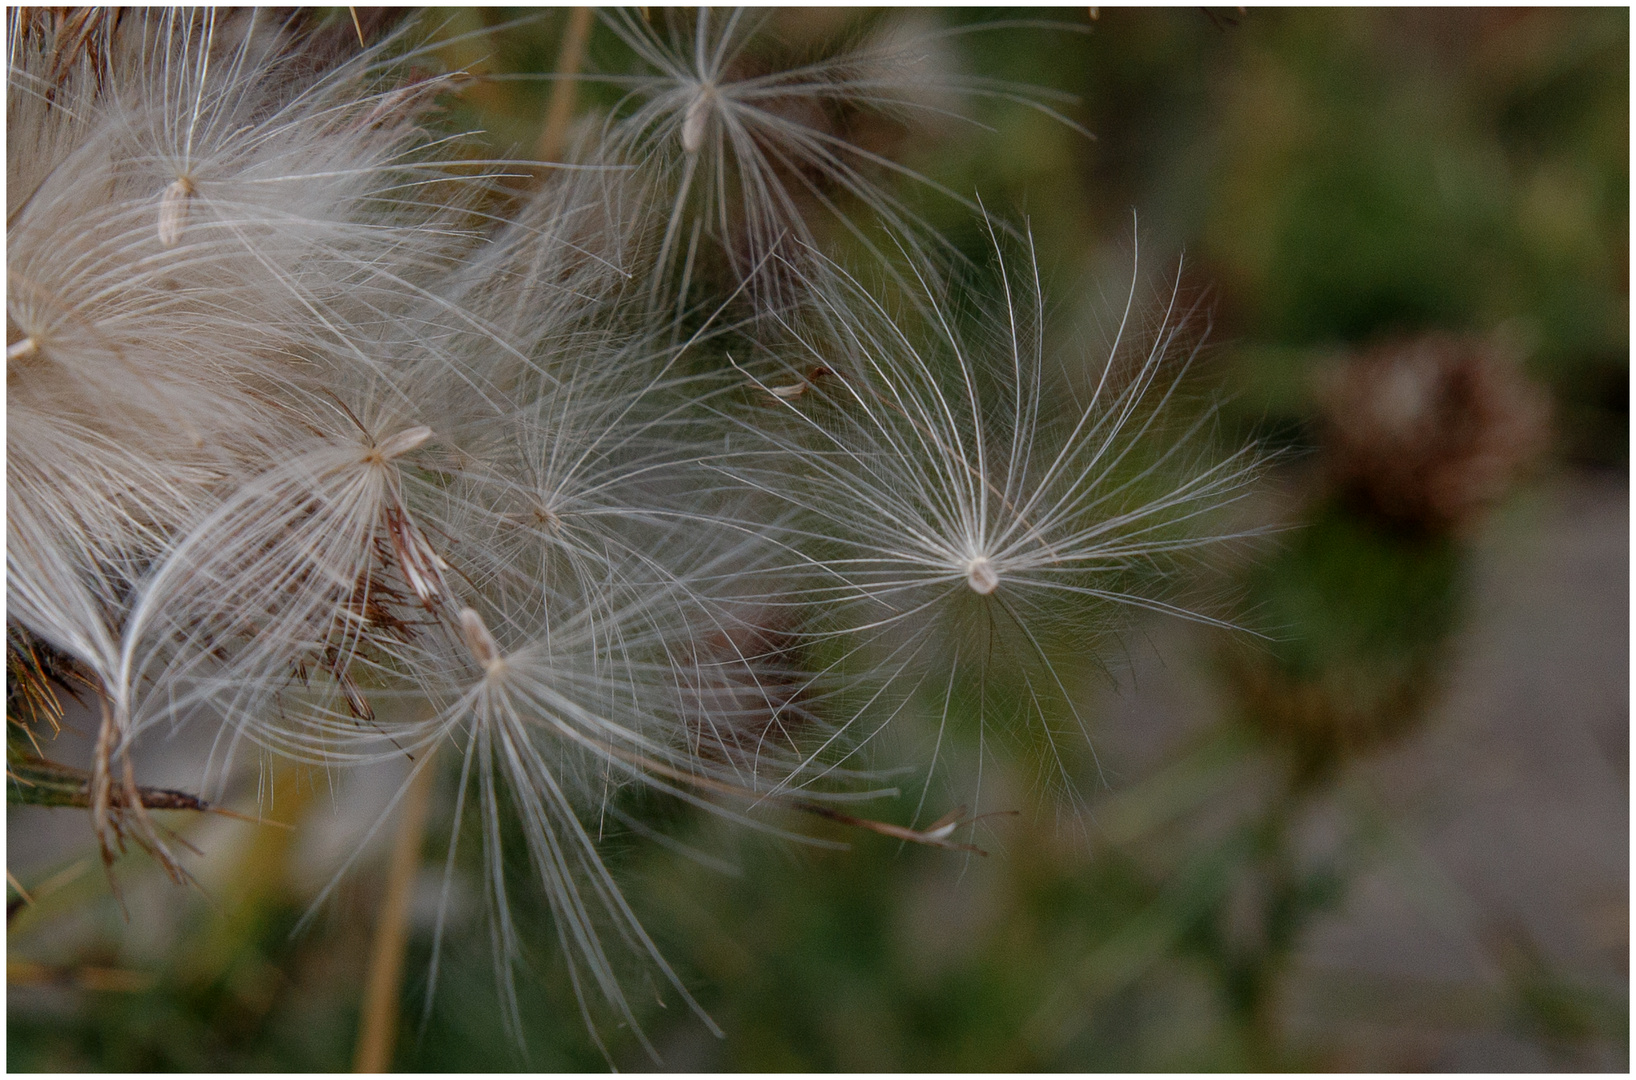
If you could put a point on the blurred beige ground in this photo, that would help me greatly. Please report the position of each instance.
(1511, 813)
(1504, 855)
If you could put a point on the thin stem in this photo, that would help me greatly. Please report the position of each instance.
(565, 88)
(378, 1030)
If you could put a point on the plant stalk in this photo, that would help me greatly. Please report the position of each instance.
(378, 1027)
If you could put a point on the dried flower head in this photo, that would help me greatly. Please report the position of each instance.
(1431, 430)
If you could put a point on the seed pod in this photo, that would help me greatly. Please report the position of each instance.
(403, 442)
(698, 115)
(981, 577)
(173, 208)
(479, 640)
(22, 350)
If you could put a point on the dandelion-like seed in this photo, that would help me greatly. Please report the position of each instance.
(761, 150)
(923, 467)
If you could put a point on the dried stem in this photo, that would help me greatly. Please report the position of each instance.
(561, 108)
(378, 1031)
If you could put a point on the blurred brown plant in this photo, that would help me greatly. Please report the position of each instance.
(1429, 431)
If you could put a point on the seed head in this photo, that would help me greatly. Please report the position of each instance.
(980, 575)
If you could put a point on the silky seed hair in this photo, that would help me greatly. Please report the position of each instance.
(320, 436)
(742, 158)
(947, 513)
